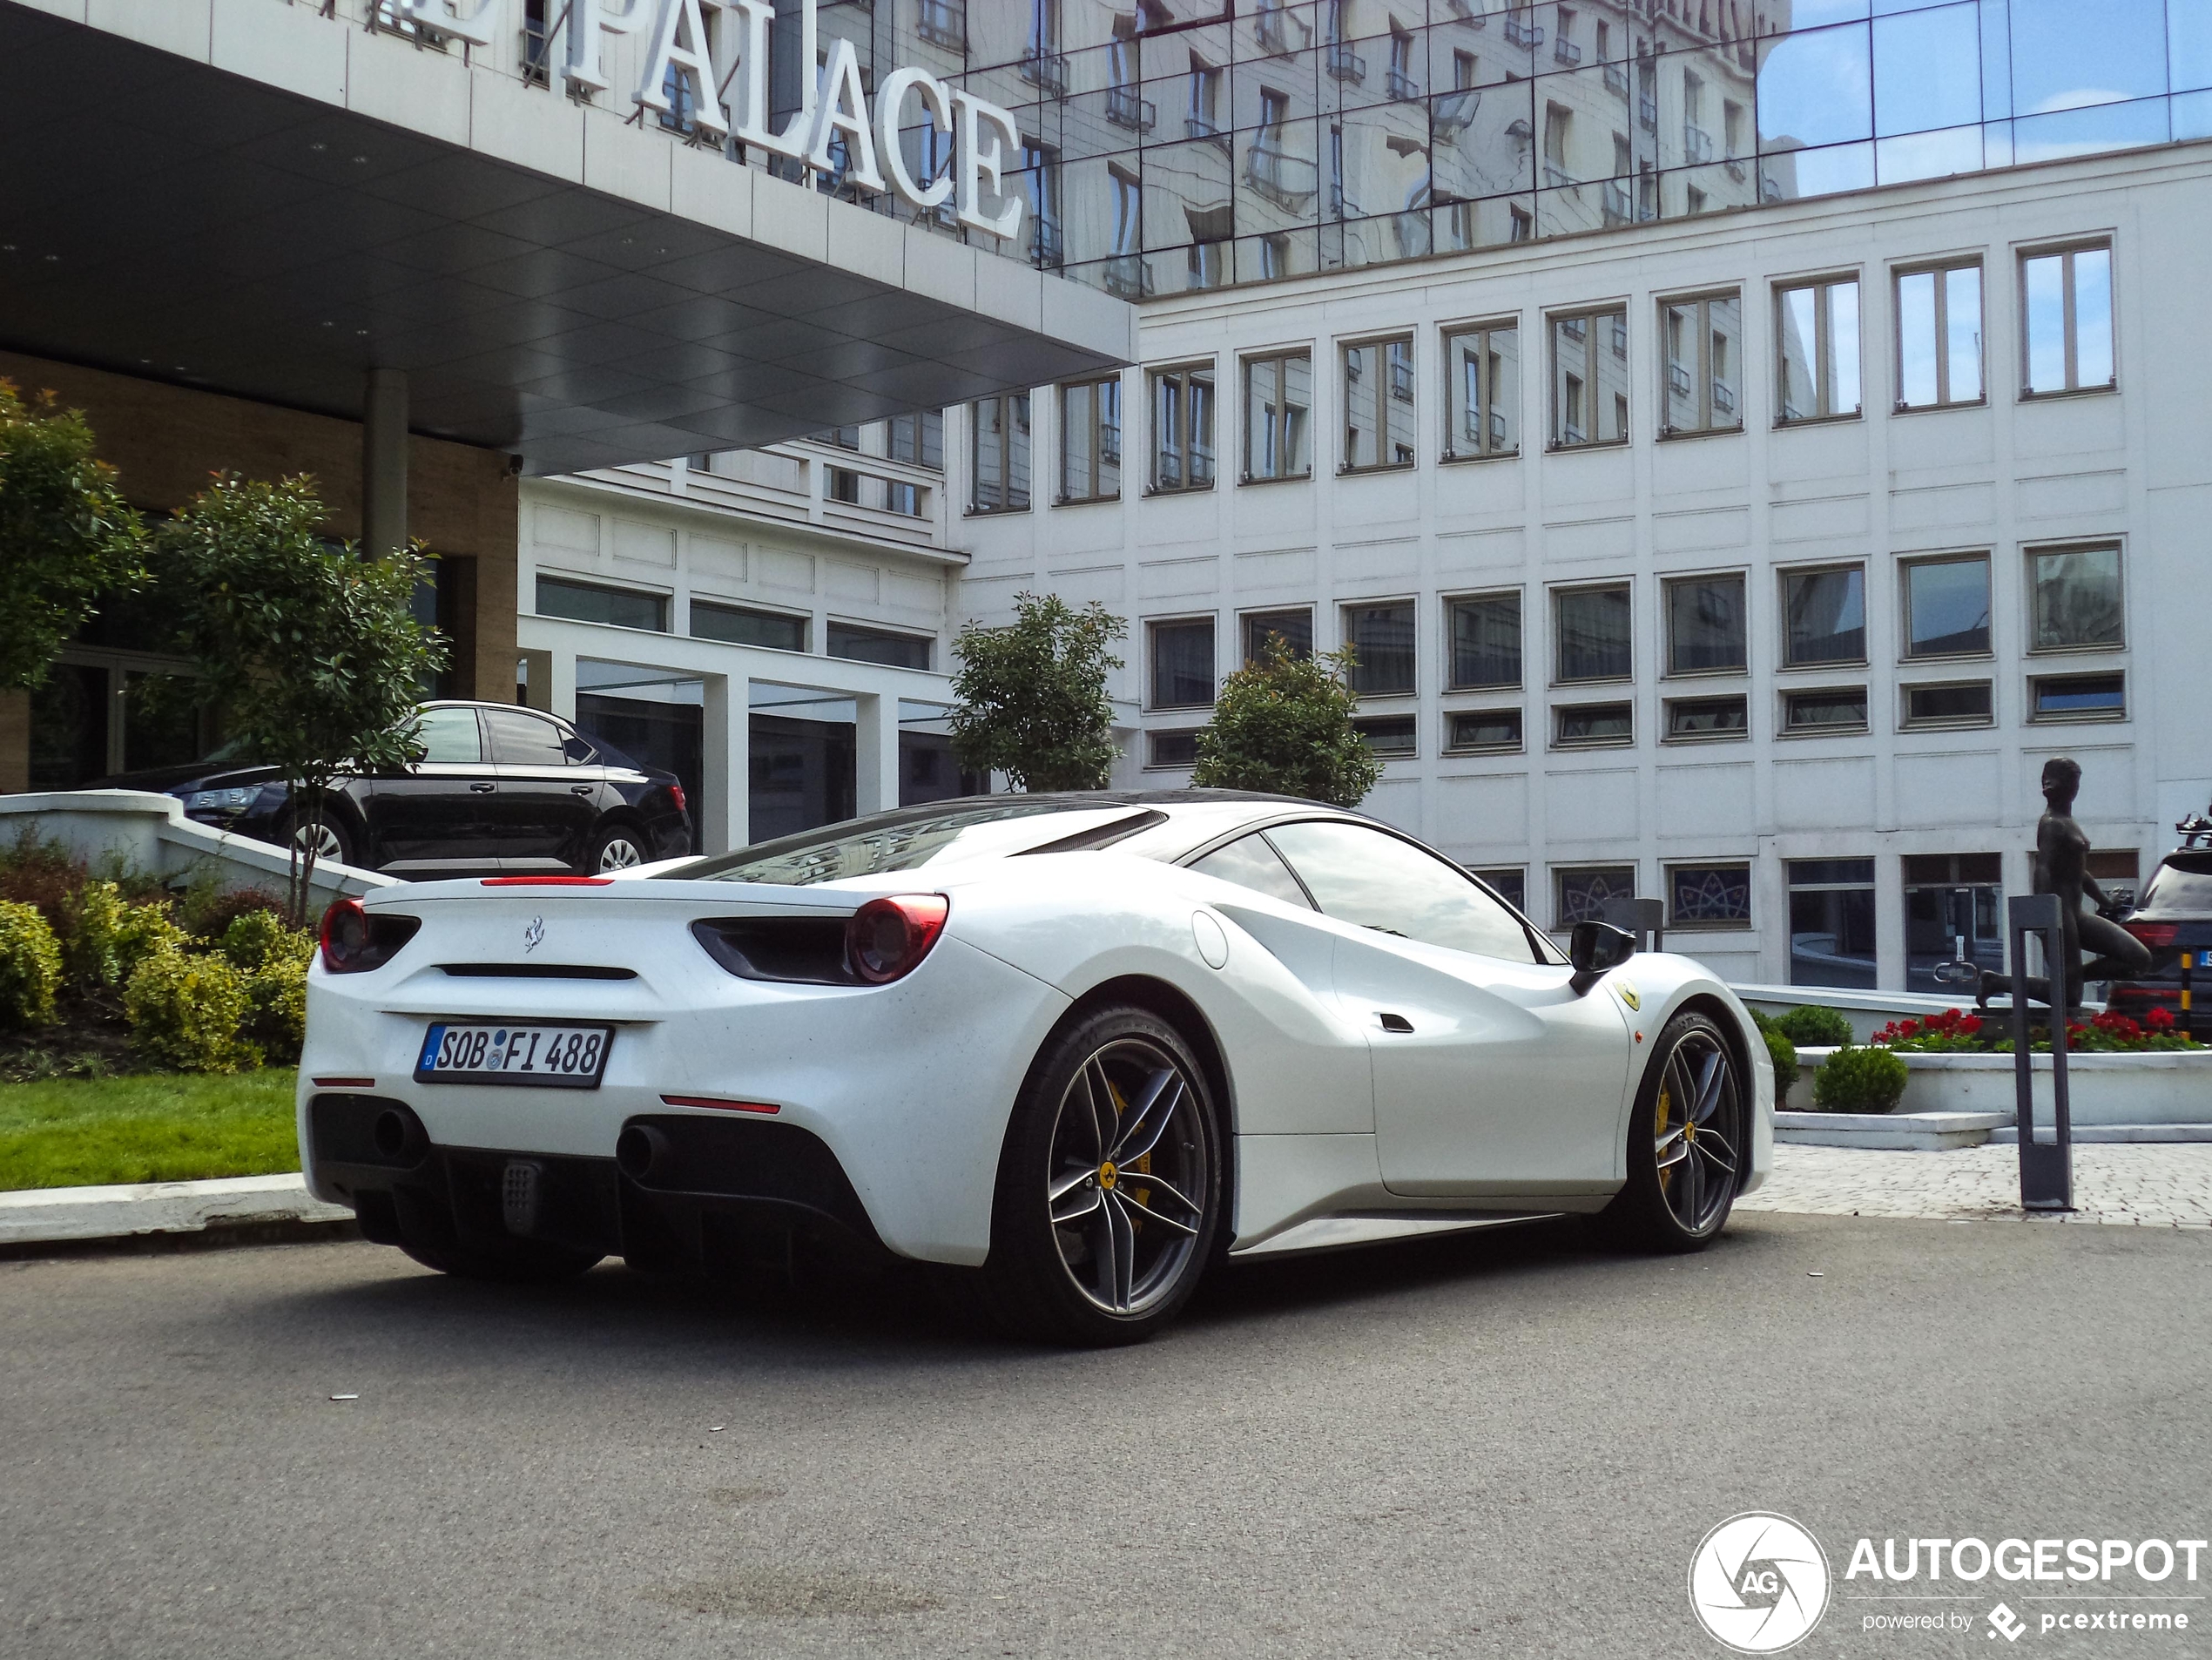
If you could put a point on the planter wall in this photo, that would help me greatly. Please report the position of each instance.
(2159, 1087)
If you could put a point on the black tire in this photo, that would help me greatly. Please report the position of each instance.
(1684, 1204)
(517, 1262)
(618, 846)
(1133, 1237)
(337, 842)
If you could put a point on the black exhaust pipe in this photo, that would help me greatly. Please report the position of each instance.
(398, 1136)
(642, 1150)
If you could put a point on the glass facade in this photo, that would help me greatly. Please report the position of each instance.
(1188, 143)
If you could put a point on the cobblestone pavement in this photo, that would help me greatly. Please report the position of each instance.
(2134, 1185)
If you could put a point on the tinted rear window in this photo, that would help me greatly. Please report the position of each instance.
(845, 850)
(2182, 885)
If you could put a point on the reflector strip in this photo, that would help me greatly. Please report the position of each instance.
(547, 882)
(344, 1083)
(718, 1104)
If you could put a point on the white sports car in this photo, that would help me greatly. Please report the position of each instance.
(1080, 1045)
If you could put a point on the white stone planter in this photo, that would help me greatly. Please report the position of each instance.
(2159, 1087)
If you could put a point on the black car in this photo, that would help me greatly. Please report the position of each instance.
(499, 788)
(2174, 920)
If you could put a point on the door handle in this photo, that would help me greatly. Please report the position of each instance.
(482, 789)
(582, 789)
(1395, 1022)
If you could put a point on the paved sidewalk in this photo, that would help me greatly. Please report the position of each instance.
(2163, 1186)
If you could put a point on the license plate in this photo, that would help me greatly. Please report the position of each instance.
(550, 1055)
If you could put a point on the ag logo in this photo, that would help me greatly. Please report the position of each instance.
(1759, 1583)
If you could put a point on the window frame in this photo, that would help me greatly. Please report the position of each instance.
(1906, 721)
(2036, 716)
(1376, 603)
(1561, 924)
(2105, 243)
(1668, 585)
(1209, 368)
(1245, 619)
(1188, 620)
(975, 510)
(1908, 563)
(1408, 717)
(1668, 735)
(1785, 728)
(928, 642)
(1703, 300)
(1826, 665)
(1387, 392)
(1591, 317)
(664, 597)
(1518, 594)
(1554, 594)
(1823, 343)
(1450, 335)
(1749, 866)
(1519, 746)
(805, 619)
(1152, 762)
(1561, 710)
(1097, 438)
(2030, 552)
(1941, 269)
(1282, 357)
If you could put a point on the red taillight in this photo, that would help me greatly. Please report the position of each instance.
(547, 882)
(354, 942)
(2157, 935)
(719, 1103)
(887, 937)
(676, 794)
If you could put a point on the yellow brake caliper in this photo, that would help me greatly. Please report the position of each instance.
(1665, 1117)
(1142, 1167)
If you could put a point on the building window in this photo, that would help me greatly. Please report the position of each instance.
(1173, 749)
(1840, 709)
(1388, 734)
(1182, 428)
(1479, 732)
(1579, 894)
(1591, 634)
(1705, 625)
(1294, 627)
(1002, 454)
(1509, 882)
(1954, 908)
(1708, 897)
(2078, 697)
(1832, 922)
(1091, 441)
(1697, 720)
(1278, 396)
(918, 440)
(1964, 702)
(740, 625)
(1593, 726)
(1589, 383)
(1182, 663)
(1704, 346)
(1381, 638)
(1484, 631)
(1482, 380)
(843, 437)
(586, 602)
(879, 646)
(841, 484)
(2075, 594)
(2065, 306)
(1817, 326)
(1823, 616)
(1946, 607)
(1939, 336)
(907, 500)
(1378, 405)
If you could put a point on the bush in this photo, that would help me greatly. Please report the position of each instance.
(209, 910)
(42, 873)
(1783, 1054)
(30, 965)
(275, 960)
(1815, 1026)
(105, 936)
(186, 1011)
(1859, 1080)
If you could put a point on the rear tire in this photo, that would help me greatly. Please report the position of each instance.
(1688, 1142)
(1110, 1185)
(519, 1262)
(618, 847)
(329, 838)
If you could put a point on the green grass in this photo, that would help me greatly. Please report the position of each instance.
(76, 1132)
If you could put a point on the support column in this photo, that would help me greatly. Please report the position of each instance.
(384, 464)
(552, 681)
(725, 816)
(875, 754)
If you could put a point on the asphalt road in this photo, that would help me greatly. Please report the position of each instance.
(1505, 1444)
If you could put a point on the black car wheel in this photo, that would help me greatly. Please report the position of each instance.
(325, 838)
(619, 846)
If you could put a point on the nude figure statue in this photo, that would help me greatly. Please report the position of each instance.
(2061, 867)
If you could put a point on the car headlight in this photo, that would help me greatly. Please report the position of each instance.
(222, 800)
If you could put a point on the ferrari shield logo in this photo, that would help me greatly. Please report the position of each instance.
(1627, 994)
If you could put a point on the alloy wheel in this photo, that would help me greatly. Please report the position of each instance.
(1128, 1176)
(1698, 1129)
(319, 838)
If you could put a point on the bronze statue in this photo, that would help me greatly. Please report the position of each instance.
(2061, 867)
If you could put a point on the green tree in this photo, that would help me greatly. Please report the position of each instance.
(1033, 701)
(1282, 724)
(66, 535)
(311, 657)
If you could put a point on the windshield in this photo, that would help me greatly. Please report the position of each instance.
(868, 848)
(2182, 885)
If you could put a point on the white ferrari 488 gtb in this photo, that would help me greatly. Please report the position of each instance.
(1081, 1046)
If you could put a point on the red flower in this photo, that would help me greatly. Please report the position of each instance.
(1908, 1028)
(1969, 1025)
(2160, 1020)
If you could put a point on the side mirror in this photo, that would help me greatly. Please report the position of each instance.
(1594, 948)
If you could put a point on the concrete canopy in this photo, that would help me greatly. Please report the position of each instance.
(253, 198)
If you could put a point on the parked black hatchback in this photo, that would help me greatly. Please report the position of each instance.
(498, 788)
(2174, 920)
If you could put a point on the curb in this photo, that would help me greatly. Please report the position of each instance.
(235, 1210)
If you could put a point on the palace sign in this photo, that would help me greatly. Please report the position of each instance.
(679, 49)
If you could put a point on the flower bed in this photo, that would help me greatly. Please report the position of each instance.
(1956, 1032)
